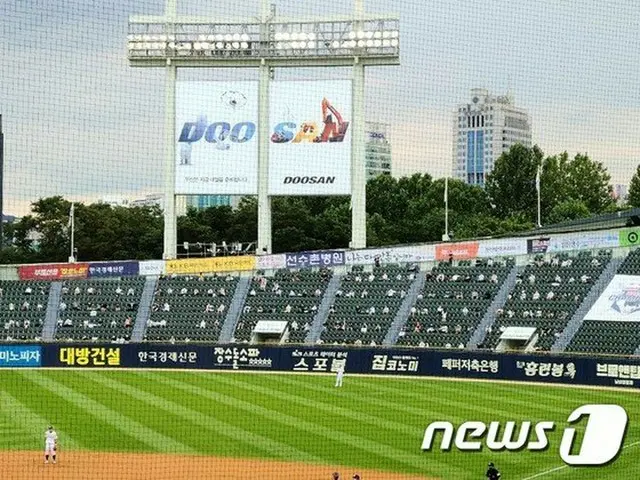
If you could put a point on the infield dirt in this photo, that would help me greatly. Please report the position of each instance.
(139, 466)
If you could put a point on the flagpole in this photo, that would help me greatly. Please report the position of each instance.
(72, 221)
(538, 175)
(446, 210)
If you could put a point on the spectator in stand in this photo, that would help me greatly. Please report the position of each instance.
(128, 322)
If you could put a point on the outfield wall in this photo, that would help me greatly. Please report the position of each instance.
(565, 369)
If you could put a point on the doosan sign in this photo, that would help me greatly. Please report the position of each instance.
(216, 132)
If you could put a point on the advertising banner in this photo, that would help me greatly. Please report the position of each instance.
(620, 301)
(234, 263)
(460, 251)
(327, 258)
(53, 272)
(413, 254)
(629, 237)
(502, 248)
(151, 267)
(113, 269)
(310, 134)
(569, 369)
(583, 241)
(270, 262)
(538, 245)
(217, 138)
(20, 356)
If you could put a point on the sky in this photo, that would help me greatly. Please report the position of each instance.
(80, 122)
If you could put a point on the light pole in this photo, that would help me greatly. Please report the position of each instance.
(355, 41)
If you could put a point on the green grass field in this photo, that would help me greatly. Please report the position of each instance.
(372, 423)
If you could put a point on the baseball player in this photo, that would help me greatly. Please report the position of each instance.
(50, 444)
(339, 376)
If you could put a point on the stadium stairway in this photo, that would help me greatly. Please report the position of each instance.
(323, 311)
(51, 317)
(144, 309)
(403, 312)
(235, 309)
(578, 317)
(498, 301)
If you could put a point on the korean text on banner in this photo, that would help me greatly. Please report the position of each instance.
(502, 248)
(412, 254)
(151, 267)
(212, 265)
(459, 251)
(629, 237)
(217, 138)
(538, 245)
(20, 356)
(270, 262)
(328, 258)
(53, 272)
(310, 138)
(113, 269)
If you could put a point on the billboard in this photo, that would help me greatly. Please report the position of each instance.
(459, 251)
(20, 356)
(620, 301)
(320, 258)
(53, 271)
(211, 265)
(113, 269)
(310, 138)
(217, 138)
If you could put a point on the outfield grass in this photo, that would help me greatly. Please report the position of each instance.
(373, 423)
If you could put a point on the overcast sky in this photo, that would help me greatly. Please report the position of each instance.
(79, 122)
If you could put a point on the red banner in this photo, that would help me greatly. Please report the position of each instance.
(459, 251)
(53, 271)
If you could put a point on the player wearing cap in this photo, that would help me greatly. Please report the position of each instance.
(50, 444)
(492, 472)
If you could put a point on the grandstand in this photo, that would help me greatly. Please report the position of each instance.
(98, 310)
(292, 296)
(23, 308)
(452, 302)
(366, 304)
(187, 308)
(546, 295)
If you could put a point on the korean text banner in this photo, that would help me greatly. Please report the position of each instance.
(329, 258)
(212, 265)
(20, 356)
(113, 269)
(568, 369)
(151, 267)
(53, 272)
(620, 301)
(412, 254)
(459, 251)
(310, 138)
(270, 262)
(217, 138)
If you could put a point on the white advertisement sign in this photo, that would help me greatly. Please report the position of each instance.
(583, 241)
(414, 254)
(620, 301)
(310, 138)
(151, 267)
(217, 138)
(502, 247)
(270, 262)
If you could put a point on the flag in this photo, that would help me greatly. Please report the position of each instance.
(71, 215)
(538, 180)
(446, 190)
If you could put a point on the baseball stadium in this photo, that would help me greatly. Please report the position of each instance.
(236, 241)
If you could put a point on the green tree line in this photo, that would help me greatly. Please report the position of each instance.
(399, 210)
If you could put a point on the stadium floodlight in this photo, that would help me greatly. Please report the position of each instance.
(172, 41)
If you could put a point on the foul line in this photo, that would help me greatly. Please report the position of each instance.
(547, 472)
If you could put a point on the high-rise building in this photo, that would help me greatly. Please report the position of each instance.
(484, 129)
(377, 149)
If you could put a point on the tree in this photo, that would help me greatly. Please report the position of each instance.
(568, 210)
(633, 198)
(511, 185)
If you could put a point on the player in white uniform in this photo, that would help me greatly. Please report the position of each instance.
(50, 444)
(339, 376)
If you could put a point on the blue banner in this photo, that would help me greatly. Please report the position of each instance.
(327, 258)
(113, 269)
(20, 356)
(566, 369)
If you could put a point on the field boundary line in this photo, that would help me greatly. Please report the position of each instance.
(562, 467)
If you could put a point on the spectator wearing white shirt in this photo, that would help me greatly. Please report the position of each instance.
(131, 292)
(166, 307)
(221, 308)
